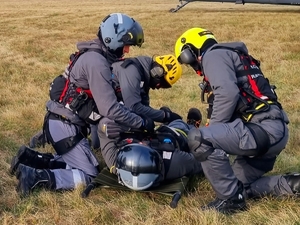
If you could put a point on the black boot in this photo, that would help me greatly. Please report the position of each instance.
(30, 178)
(38, 140)
(30, 158)
(194, 117)
(229, 206)
(293, 181)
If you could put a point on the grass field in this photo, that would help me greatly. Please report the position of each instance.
(36, 38)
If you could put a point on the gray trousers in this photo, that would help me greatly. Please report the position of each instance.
(181, 163)
(236, 139)
(81, 162)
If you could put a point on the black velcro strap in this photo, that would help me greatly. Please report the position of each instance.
(203, 156)
(261, 137)
(201, 140)
(65, 145)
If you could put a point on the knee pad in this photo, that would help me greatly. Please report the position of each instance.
(194, 139)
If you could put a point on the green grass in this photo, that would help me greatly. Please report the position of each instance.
(36, 39)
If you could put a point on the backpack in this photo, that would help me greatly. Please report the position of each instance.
(81, 100)
(59, 85)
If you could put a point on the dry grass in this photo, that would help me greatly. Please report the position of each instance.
(36, 38)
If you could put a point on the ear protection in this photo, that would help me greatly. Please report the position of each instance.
(187, 55)
(157, 71)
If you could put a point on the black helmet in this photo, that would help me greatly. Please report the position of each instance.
(117, 30)
(138, 166)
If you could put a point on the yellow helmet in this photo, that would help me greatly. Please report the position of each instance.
(194, 39)
(169, 68)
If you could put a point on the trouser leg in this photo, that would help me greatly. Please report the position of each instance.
(255, 183)
(80, 156)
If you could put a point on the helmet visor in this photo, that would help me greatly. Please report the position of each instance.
(134, 35)
(138, 182)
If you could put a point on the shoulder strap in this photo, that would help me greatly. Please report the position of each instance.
(139, 67)
(246, 60)
(76, 55)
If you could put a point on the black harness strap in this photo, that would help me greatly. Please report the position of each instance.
(261, 137)
(140, 68)
(65, 145)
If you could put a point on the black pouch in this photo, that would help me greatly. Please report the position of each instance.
(56, 87)
(78, 101)
(85, 108)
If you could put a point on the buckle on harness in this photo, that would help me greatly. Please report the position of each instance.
(257, 109)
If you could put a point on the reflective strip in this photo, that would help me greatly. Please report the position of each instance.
(77, 178)
(135, 182)
(120, 18)
(182, 132)
(175, 130)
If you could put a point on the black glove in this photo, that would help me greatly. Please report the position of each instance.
(169, 115)
(113, 130)
(148, 124)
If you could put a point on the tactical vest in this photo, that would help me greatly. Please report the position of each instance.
(256, 93)
(145, 88)
(77, 99)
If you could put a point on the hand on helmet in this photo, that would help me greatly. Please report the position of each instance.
(169, 115)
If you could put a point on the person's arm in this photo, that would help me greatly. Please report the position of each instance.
(130, 83)
(219, 69)
(99, 79)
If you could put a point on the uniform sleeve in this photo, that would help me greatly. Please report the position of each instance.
(219, 68)
(130, 84)
(99, 75)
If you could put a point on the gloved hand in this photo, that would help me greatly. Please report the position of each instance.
(169, 115)
(113, 129)
(148, 124)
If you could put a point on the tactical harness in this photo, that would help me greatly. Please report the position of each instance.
(139, 67)
(66, 93)
(80, 101)
(256, 95)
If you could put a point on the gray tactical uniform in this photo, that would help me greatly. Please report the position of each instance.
(232, 137)
(135, 97)
(91, 71)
